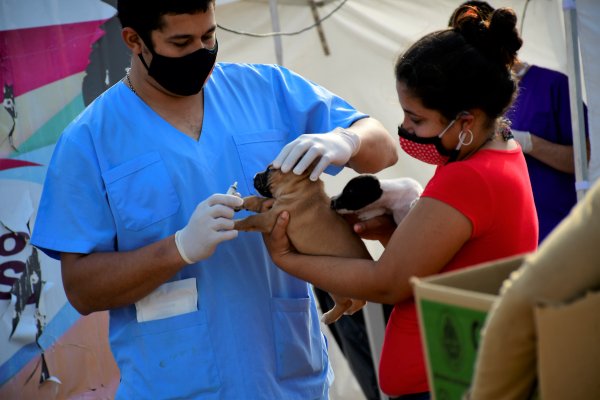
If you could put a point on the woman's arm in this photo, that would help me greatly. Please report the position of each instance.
(424, 242)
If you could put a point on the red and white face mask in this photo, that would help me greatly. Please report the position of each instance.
(430, 149)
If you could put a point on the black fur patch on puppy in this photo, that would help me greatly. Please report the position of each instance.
(359, 192)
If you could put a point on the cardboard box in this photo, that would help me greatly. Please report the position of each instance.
(452, 308)
(568, 345)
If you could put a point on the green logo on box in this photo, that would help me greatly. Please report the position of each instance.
(451, 337)
(450, 340)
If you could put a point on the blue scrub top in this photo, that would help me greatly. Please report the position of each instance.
(121, 178)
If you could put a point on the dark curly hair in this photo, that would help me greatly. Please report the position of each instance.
(144, 16)
(464, 67)
(482, 8)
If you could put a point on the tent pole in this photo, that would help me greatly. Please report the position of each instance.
(315, 14)
(276, 28)
(576, 99)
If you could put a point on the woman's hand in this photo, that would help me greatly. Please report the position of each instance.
(277, 242)
(378, 228)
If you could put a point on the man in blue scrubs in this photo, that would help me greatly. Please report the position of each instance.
(133, 206)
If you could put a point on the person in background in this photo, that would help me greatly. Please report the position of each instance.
(453, 86)
(133, 206)
(541, 123)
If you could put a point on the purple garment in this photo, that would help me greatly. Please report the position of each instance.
(542, 108)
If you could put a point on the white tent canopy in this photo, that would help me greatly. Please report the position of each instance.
(365, 36)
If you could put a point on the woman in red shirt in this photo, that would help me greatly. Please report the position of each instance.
(453, 86)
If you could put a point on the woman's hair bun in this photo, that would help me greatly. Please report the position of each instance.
(497, 37)
(504, 35)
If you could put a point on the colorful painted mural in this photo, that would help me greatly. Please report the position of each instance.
(52, 63)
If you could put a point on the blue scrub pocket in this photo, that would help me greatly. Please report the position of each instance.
(298, 346)
(160, 358)
(141, 191)
(256, 151)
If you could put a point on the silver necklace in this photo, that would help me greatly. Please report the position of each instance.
(129, 83)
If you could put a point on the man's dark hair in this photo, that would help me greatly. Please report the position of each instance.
(144, 16)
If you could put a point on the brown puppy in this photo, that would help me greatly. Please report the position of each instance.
(314, 227)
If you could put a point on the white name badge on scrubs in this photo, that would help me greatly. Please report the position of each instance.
(168, 300)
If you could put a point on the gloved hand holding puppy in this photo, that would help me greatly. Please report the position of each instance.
(335, 147)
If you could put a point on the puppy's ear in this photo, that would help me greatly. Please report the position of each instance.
(359, 192)
(365, 183)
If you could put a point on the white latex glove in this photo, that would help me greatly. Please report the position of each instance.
(210, 224)
(524, 139)
(335, 147)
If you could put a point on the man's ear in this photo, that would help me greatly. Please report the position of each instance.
(132, 40)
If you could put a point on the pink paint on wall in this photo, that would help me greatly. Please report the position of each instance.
(34, 57)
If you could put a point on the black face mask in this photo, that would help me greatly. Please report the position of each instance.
(185, 75)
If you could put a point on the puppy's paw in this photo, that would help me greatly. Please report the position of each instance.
(330, 318)
(357, 305)
(253, 203)
(342, 304)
